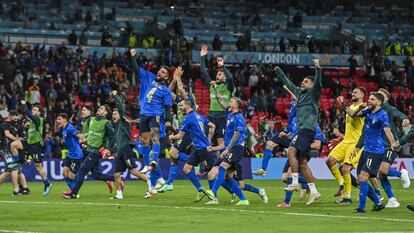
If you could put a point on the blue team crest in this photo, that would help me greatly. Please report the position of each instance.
(374, 120)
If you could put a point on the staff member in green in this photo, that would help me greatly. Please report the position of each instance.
(100, 132)
(125, 156)
(33, 145)
(224, 86)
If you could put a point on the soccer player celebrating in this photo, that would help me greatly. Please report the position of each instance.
(100, 130)
(287, 174)
(235, 135)
(376, 121)
(224, 86)
(179, 148)
(308, 95)
(194, 125)
(74, 156)
(390, 154)
(342, 153)
(154, 96)
(33, 143)
(125, 156)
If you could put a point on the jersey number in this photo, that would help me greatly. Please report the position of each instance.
(150, 94)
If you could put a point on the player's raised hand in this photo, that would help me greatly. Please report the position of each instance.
(213, 84)
(340, 99)
(220, 61)
(133, 52)
(114, 92)
(178, 73)
(204, 50)
(405, 123)
(363, 105)
(23, 102)
(316, 63)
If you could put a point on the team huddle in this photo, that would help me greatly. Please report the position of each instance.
(215, 143)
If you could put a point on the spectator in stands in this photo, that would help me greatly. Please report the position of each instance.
(72, 38)
(217, 44)
(401, 102)
(178, 26)
(88, 18)
(353, 63)
(83, 41)
(262, 102)
(271, 99)
(106, 38)
(375, 50)
(297, 20)
(282, 46)
(253, 79)
(132, 40)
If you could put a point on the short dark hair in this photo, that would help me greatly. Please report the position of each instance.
(378, 96)
(362, 89)
(310, 78)
(13, 113)
(90, 108)
(38, 107)
(385, 92)
(63, 115)
(239, 102)
(107, 108)
(167, 68)
(188, 103)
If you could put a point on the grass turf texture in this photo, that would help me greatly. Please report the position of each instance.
(175, 211)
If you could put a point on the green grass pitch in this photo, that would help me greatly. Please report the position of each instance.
(175, 211)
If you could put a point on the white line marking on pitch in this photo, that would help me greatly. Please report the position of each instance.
(69, 202)
(14, 231)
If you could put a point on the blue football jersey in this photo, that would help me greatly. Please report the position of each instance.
(235, 122)
(157, 97)
(375, 122)
(194, 124)
(72, 142)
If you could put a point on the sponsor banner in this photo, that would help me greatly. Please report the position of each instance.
(318, 167)
(401, 60)
(280, 58)
(54, 169)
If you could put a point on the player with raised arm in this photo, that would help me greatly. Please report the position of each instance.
(194, 125)
(235, 134)
(155, 98)
(179, 148)
(99, 135)
(125, 156)
(224, 86)
(308, 96)
(33, 144)
(376, 123)
(342, 153)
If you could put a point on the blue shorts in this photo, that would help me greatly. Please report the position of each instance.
(369, 162)
(148, 122)
(220, 123)
(125, 159)
(33, 150)
(302, 142)
(281, 142)
(234, 156)
(389, 156)
(183, 144)
(201, 156)
(72, 164)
